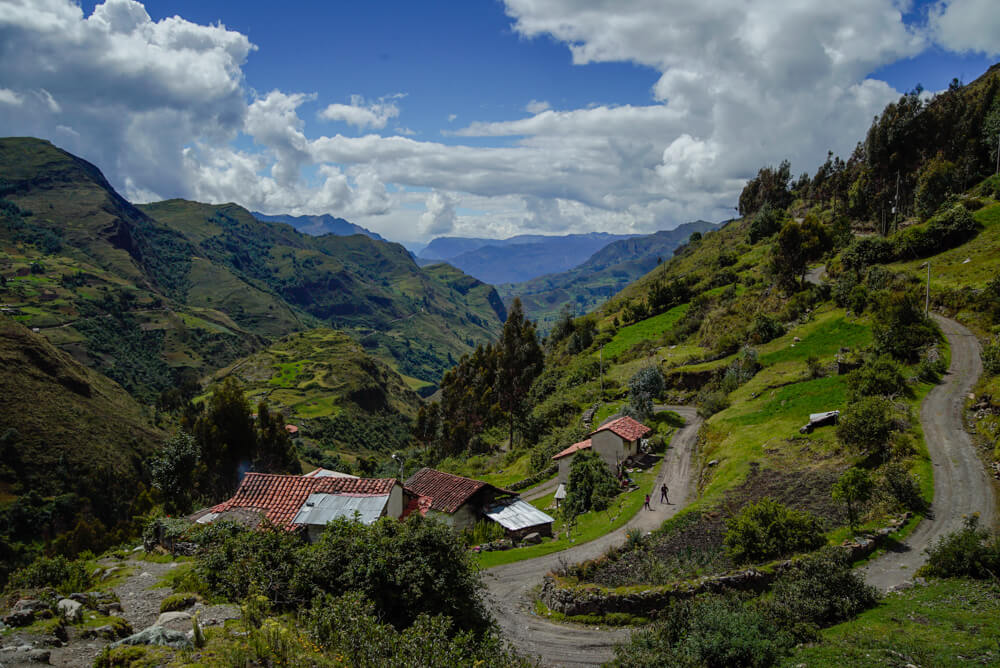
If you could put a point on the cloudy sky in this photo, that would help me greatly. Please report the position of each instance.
(485, 118)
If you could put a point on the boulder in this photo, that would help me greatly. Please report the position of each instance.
(39, 655)
(156, 635)
(175, 621)
(19, 618)
(70, 610)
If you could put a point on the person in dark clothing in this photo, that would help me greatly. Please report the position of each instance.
(663, 494)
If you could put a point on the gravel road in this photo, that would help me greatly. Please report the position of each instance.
(961, 486)
(509, 587)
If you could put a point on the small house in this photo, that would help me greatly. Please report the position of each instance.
(615, 442)
(308, 502)
(461, 502)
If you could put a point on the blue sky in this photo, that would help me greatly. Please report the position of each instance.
(471, 118)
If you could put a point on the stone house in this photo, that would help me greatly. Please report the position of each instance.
(615, 442)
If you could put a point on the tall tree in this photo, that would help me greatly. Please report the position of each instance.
(519, 361)
(226, 435)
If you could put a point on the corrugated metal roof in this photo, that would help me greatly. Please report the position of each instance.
(322, 508)
(561, 492)
(517, 514)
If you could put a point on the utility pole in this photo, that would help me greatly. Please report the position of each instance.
(895, 208)
(927, 300)
(600, 399)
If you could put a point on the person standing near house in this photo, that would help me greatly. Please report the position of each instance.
(646, 503)
(663, 494)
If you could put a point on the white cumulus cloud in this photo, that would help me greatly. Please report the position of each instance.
(967, 25)
(361, 115)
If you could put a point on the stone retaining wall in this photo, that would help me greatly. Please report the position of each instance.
(570, 598)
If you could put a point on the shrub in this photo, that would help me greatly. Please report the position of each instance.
(879, 377)
(854, 488)
(969, 552)
(484, 531)
(901, 486)
(901, 328)
(768, 529)
(991, 357)
(63, 575)
(643, 387)
(714, 631)
(417, 566)
(711, 402)
(866, 251)
(765, 328)
(591, 485)
(819, 590)
(866, 424)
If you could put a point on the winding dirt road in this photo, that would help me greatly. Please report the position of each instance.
(509, 587)
(961, 486)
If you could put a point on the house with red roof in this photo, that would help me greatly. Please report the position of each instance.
(615, 442)
(307, 503)
(461, 502)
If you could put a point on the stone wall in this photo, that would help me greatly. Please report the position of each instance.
(568, 596)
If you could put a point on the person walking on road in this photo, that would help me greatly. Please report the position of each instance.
(646, 504)
(663, 494)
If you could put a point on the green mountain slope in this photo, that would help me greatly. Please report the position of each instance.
(418, 321)
(605, 273)
(72, 442)
(195, 286)
(319, 373)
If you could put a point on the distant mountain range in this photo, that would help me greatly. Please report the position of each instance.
(602, 275)
(318, 225)
(516, 259)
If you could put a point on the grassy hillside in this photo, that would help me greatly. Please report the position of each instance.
(319, 373)
(73, 446)
(604, 274)
(192, 287)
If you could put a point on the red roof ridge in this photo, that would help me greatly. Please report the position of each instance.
(447, 490)
(582, 445)
(628, 428)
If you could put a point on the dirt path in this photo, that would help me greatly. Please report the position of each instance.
(538, 491)
(961, 486)
(509, 587)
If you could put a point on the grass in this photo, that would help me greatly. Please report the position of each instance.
(610, 619)
(649, 329)
(946, 623)
(589, 526)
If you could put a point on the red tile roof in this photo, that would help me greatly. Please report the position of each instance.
(279, 497)
(625, 427)
(447, 492)
(582, 445)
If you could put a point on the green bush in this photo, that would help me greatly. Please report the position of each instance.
(764, 328)
(768, 529)
(406, 569)
(484, 531)
(901, 328)
(63, 575)
(866, 251)
(878, 377)
(902, 488)
(866, 424)
(969, 552)
(817, 591)
(591, 485)
(991, 357)
(713, 631)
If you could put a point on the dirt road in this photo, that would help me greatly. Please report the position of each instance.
(961, 486)
(510, 586)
